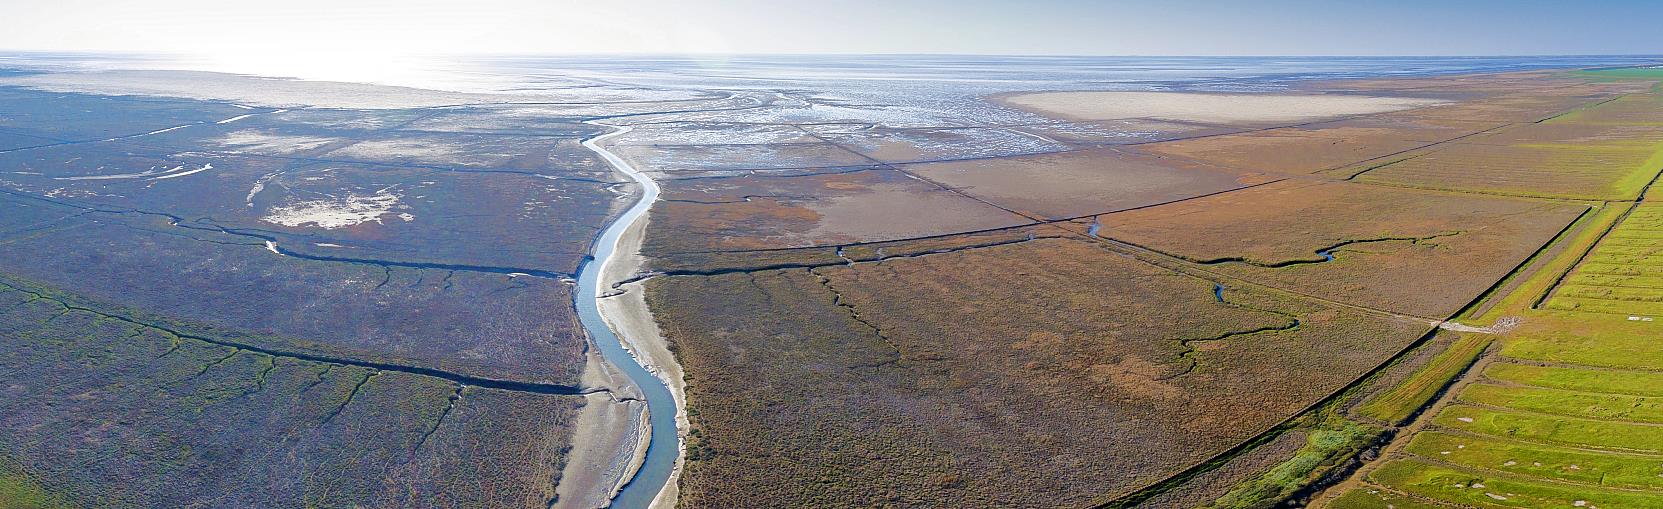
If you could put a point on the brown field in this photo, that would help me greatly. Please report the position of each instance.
(1414, 252)
(756, 212)
(1311, 148)
(870, 384)
(1631, 109)
(1243, 109)
(1504, 97)
(1291, 150)
(1567, 157)
(1148, 299)
(1368, 141)
(832, 362)
(1526, 106)
(1079, 183)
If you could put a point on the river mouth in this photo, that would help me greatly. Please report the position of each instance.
(664, 447)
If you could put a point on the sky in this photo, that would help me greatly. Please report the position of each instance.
(356, 29)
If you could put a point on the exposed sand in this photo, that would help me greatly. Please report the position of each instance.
(607, 439)
(253, 140)
(630, 319)
(204, 168)
(334, 213)
(1205, 107)
(399, 148)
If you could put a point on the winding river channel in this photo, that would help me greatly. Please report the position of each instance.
(661, 407)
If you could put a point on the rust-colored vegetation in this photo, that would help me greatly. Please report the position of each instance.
(897, 382)
(1607, 151)
(1079, 183)
(1413, 252)
(759, 212)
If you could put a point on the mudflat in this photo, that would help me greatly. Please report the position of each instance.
(1208, 107)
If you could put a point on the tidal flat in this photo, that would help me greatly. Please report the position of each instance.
(587, 286)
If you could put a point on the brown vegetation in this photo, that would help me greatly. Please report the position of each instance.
(1073, 184)
(1607, 151)
(921, 379)
(1413, 252)
(759, 212)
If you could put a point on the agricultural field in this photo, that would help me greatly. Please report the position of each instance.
(1564, 409)
(1624, 273)
(1564, 415)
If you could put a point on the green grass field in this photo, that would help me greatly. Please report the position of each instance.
(1617, 407)
(1623, 274)
(1379, 498)
(1644, 73)
(1532, 436)
(1631, 471)
(19, 491)
(1604, 342)
(1472, 489)
(1638, 383)
(1568, 413)
(1324, 448)
(1401, 401)
(1552, 429)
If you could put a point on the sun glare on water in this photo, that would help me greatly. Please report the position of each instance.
(344, 65)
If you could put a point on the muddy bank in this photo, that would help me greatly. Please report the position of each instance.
(625, 310)
(605, 439)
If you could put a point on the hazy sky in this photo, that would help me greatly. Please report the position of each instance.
(333, 28)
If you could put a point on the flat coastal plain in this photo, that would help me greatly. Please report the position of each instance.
(1428, 291)
(1226, 310)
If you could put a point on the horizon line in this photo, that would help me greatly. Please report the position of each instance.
(697, 54)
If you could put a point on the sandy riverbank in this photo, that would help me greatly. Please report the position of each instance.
(608, 438)
(1211, 108)
(626, 312)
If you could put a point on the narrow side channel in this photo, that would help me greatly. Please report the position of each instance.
(665, 444)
